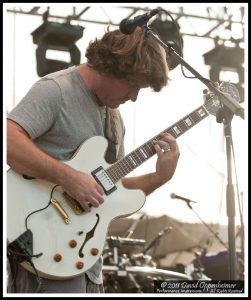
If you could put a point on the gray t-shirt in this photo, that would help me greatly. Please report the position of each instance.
(59, 113)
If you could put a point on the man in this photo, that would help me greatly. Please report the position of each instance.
(64, 109)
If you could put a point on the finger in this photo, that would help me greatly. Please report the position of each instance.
(94, 202)
(85, 206)
(163, 144)
(167, 136)
(158, 150)
(99, 189)
(98, 197)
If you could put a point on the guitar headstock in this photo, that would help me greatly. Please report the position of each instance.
(212, 102)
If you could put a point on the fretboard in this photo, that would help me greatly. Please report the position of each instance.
(134, 159)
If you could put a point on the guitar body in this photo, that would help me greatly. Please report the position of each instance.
(51, 233)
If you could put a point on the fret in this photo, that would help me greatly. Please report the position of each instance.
(173, 133)
(142, 151)
(122, 165)
(188, 122)
(111, 174)
(202, 112)
(177, 130)
(117, 171)
(140, 155)
(134, 159)
(149, 148)
(126, 166)
(137, 157)
(129, 164)
(193, 118)
(169, 130)
(182, 125)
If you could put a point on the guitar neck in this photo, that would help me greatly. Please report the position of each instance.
(135, 158)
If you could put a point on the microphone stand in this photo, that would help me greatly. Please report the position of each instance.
(131, 229)
(226, 99)
(156, 240)
(225, 116)
(208, 227)
(232, 107)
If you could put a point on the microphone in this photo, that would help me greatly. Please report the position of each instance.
(128, 26)
(133, 226)
(174, 196)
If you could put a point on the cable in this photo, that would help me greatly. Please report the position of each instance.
(181, 50)
(16, 257)
(40, 208)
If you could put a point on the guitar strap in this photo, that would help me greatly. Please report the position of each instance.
(114, 129)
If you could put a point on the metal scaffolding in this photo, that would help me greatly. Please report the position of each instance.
(216, 19)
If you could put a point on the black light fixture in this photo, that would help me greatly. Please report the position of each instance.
(59, 37)
(168, 32)
(224, 58)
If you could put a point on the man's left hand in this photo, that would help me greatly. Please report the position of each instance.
(168, 154)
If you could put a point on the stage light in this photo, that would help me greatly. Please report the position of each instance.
(168, 32)
(59, 37)
(224, 59)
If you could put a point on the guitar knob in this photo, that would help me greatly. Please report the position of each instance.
(72, 243)
(79, 265)
(57, 257)
(94, 251)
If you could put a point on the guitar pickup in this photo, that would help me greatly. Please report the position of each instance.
(104, 180)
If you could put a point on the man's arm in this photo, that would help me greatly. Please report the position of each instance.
(165, 167)
(25, 157)
(147, 183)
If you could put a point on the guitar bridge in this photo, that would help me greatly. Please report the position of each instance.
(75, 206)
(104, 180)
(61, 211)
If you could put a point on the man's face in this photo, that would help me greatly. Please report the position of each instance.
(113, 92)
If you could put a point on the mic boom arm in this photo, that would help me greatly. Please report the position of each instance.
(157, 238)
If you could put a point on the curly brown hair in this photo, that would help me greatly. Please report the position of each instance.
(135, 58)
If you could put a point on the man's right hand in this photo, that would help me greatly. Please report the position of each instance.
(83, 188)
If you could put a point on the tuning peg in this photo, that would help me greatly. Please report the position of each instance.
(216, 84)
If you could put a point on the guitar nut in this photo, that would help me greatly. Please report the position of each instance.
(57, 257)
(79, 264)
(72, 243)
(94, 251)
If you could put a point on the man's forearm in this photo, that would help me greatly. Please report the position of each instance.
(26, 158)
(147, 183)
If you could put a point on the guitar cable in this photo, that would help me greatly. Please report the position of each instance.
(35, 211)
(13, 260)
(13, 255)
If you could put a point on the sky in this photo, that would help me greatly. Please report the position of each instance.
(201, 171)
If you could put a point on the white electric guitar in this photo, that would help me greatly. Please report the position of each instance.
(50, 228)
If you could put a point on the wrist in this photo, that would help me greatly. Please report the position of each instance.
(157, 180)
(64, 173)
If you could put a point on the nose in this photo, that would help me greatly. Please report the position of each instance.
(134, 94)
